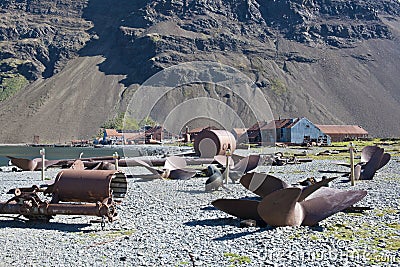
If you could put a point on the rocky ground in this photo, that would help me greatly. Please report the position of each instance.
(171, 223)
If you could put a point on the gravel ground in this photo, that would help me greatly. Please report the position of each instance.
(171, 223)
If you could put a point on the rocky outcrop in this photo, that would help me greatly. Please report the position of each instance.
(43, 34)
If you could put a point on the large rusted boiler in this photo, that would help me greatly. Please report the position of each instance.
(209, 143)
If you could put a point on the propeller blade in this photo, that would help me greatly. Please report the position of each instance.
(329, 202)
(357, 172)
(148, 167)
(280, 208)
(221, 159)
(262, 184)
(308, 190)
(96, 166)
(24, 164)
(247, 164)
(182, 174)
(372, 165)
(367, 153)
(77, 165)
(211, 169)
(107, 166)
(236, 158)
(385, 159)
(47, 163)
(241, 208)
(174, 163)
(214, 182)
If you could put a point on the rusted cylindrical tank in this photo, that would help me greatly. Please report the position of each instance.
(209, 143)
(88, 186)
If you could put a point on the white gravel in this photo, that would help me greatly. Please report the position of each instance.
(171, 223)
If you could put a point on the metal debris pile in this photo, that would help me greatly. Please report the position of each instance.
(93, 186)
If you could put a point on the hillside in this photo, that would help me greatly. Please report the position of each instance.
(78, 62)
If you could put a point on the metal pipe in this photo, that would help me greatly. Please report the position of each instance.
(89, 209)
(227, 154)
(115, 156)
(43, 153)
(352, 164)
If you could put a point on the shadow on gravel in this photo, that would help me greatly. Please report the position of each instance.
(62, 227)
(224, 222)
(238, 235)
(192, 191)
(214, 222)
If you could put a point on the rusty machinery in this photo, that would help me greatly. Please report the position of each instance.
(73, 192)
(209, 143)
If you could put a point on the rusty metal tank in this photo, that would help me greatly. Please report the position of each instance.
(89, 186)
(209, 143)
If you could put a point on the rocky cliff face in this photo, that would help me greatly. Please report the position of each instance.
(41, 34)
(331, 61)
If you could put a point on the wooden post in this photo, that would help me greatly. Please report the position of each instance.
(115, 156)
(352, 164)
(227, 154)
(43, 153)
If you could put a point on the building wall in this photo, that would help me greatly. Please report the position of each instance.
(304, 130)
(283, 135)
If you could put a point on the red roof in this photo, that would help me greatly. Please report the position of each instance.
(276, 124)
(286, 123)
(134, 136)
(342, 129)
(112, 132)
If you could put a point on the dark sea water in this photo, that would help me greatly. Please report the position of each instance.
(59, 152)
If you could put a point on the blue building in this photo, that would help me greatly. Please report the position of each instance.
(292, 131)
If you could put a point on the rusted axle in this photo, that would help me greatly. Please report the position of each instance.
(47, 210)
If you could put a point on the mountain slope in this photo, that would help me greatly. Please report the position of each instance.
(331, 61)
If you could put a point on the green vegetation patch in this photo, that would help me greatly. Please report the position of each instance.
(236, 259)
(109, 234)
(277, 86)
(394, 225)
(378, 238)
(155, 37)
(11, 85)
(182, 263)
(124, 122)
(385, 211)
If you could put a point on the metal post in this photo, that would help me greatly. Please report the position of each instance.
(227, 154)
(115, 156)
(43, 153)
(352, 163)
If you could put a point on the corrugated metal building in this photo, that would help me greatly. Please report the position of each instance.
(293, 131)
(340, 133)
